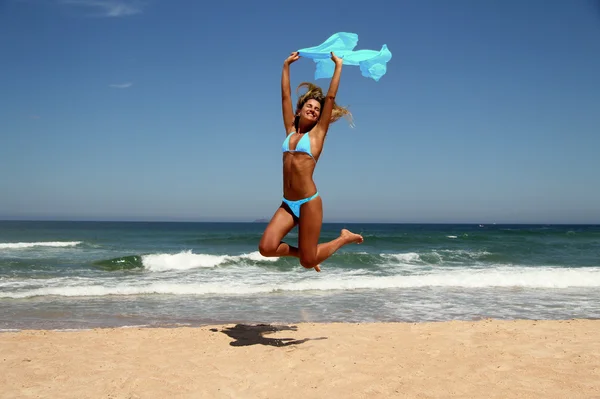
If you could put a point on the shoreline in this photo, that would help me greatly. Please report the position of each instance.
(214, 324)
(488, 358)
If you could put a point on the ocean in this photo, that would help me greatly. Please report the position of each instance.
(81, 275)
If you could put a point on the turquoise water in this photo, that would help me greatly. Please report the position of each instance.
(99, 274)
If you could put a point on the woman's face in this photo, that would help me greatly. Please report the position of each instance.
(311, 110)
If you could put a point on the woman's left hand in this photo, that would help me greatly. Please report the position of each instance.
(336, 59)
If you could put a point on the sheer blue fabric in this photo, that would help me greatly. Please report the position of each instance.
(372, 63)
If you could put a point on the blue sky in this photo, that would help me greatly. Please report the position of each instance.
(170, 110)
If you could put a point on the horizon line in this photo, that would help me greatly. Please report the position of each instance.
(324, 222)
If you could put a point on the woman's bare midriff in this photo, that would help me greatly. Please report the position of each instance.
(298, 171)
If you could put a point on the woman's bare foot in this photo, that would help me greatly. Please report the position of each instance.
(347, 237)
(350, 237)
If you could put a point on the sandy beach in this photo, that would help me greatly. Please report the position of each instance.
(480, 359)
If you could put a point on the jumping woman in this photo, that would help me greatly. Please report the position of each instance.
(302, 206)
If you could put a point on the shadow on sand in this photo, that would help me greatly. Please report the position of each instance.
(245, 335)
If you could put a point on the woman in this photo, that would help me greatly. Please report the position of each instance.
(302, 205)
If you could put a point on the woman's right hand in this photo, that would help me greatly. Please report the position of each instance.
(292, 58)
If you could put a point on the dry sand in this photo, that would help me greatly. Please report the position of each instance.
(483, 359)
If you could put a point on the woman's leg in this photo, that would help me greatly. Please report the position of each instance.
(271, 243)
(311, 253)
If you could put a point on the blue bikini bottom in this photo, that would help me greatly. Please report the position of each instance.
(295, 205)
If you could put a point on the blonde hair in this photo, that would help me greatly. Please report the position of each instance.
(314, 92)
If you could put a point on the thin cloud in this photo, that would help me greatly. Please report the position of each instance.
(107, 8)
(121, 85)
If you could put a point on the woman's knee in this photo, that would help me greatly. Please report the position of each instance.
(268, 247)
(308, 259)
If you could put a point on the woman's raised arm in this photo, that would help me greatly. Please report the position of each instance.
(327, 110)
(286, 93)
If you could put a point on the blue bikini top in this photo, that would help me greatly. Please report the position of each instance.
(302, 146)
